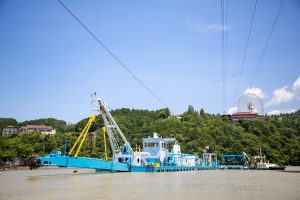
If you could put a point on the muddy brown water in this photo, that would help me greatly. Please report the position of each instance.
(64, 184)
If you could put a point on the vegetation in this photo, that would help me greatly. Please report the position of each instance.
(7, 122)
(59, 125)
(277, 137)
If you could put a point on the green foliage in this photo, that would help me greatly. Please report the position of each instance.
(202, 112)
(59, 125)
(277, 137)
(7, 122)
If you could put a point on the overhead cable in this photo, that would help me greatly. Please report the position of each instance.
(222, 59)
(267, 41)
(224, 14)
(115, 57)
(245, 52)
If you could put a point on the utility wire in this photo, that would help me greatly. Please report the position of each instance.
(224, 13)
(268, 40)
(226, 50)
(222, 61)
(245, 52)
(115, 57)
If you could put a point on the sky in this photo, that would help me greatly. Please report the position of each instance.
(50, 64)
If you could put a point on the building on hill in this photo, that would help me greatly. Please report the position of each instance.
(246, 116)
(9, 130)
(180, 116)
(38, 128)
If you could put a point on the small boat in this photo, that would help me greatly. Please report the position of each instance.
(259, 162)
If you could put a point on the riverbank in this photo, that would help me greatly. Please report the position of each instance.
(10, 168)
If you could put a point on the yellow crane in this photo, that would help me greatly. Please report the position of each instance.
(82, 136)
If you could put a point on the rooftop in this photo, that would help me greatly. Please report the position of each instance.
(244, 113)
(10, 126)
(38, 127)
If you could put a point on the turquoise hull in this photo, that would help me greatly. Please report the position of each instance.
(104, 165)
(56, 159)
(170, 168)
(82, 162)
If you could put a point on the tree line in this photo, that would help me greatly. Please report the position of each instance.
(277, 136)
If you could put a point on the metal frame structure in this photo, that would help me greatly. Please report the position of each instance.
(249, 94)
(234, 161)
(115, 135)
(82, 136)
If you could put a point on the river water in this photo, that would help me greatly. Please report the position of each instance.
(63, 184)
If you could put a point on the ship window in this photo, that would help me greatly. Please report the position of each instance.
(151, 144)
(145, 144)
(138, 160)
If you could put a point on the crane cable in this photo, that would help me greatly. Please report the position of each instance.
(115, 57)
(245, 52)
(268, 41)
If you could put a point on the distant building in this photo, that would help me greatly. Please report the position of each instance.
(180, 116)
(242, 115)
(38, 128)
(9, 130)
(245, 116)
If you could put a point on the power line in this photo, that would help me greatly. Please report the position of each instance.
(245, 52)
(115, 57)
(222, 61)
(268, 40)
(224, 14)
(226, 50)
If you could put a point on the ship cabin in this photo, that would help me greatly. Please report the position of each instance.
(157, 147)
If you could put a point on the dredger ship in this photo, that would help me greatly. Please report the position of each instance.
(154, 157)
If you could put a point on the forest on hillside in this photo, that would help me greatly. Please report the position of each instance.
(278, 136)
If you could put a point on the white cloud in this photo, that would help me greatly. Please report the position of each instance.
(256, 91)
(284, 111)
(296, 85)
(274, 112)
(232, 110)
(206, 28)
(280, 95)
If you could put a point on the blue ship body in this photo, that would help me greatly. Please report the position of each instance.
(155, 157)
(158, 155)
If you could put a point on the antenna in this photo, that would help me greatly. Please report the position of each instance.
(94, 106)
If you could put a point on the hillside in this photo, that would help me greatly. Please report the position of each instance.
(278, 137)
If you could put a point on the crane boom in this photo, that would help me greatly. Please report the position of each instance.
(114, 133)
(82, 136)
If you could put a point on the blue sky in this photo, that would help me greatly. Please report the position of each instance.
(50, 64)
